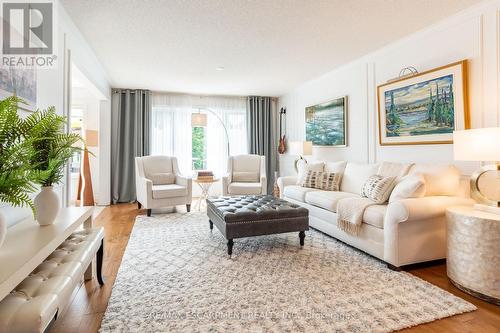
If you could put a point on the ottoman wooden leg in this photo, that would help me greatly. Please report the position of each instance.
(148, 212)
(302, 235)
(230, 246)
(211, 224)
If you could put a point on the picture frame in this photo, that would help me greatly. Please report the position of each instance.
(424, 108)
(20, 82)
(326, 123)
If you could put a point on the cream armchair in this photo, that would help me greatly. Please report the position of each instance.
(159, 183)
(246, 174)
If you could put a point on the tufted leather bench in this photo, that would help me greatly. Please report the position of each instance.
(256, 215)
(46, 292)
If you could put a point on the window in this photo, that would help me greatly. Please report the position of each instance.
(198, 148)
(199, 144)
(77, 128)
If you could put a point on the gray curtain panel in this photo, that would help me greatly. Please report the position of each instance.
(130, 137)
(262, 131)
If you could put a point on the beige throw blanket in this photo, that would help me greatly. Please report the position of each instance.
(350, 214)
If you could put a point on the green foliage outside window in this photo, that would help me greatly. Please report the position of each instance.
(199, 148)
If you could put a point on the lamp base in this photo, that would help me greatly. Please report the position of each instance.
(475, 191)
(488, 209)
(296, 162)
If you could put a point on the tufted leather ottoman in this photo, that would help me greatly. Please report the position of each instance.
(256, 215)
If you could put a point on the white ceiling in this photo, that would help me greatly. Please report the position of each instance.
(267, 47)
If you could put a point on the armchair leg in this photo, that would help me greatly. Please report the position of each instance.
(149, 212)
(138, 205)
(188, 207)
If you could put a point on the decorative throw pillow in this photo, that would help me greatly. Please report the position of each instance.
(164, 178)
(312, 179)
(411, 186)
(328, 181)
(304, 166)
(378, 188)
(245, 177)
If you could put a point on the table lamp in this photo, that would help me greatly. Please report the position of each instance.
(481, 144)
(299, 148)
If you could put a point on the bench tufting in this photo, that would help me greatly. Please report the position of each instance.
(46, 292)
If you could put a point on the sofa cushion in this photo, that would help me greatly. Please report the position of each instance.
(337, 167)
(410, 186)
(240, 188)
(162, 178)
(297, 192)
(245, 177)
(327, 199)
(250, 163)
(439, 179)
(392, 169)
(374, 215)
(168, 191)
(355, 175)
(303, 167)
(156, 164)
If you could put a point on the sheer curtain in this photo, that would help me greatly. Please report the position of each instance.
(171, 134)
(171, 128)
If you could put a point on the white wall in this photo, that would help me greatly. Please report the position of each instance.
(52, 83)
(473, 34)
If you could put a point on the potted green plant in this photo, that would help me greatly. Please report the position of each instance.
(52, 149)
(16, 153)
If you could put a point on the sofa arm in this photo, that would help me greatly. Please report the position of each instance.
(226, 180)
(414, 229)
(144, 191)
(416, 209)
(286, 181)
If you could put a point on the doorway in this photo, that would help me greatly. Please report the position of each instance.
(84, 119)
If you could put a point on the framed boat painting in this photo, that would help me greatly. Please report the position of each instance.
(425, 108)
(326, 123)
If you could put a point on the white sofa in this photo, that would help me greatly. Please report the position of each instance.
(246, 174)
(159, 183)
(402, 232)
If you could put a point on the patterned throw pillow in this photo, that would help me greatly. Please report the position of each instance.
(378, 189)
(328, 181)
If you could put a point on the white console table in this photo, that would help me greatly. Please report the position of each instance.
(28, 244)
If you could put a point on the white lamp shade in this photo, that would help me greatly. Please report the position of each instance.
(198, 119)
(481, 144)
(300, 148)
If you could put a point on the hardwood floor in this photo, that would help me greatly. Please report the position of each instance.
(89, 304)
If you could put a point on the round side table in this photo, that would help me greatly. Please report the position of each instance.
(473, 258)
(205, 185)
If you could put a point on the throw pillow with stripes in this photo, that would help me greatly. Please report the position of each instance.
(378, 188)
(328, 181)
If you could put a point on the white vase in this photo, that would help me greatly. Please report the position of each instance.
(3, 228)
(46, 206)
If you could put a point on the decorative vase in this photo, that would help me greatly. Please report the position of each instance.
(3, 228)
(46, 206)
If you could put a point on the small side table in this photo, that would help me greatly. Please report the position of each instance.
(473, 258)
(205, 185)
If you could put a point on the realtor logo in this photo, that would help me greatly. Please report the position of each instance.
(28, 34)
(27, 28)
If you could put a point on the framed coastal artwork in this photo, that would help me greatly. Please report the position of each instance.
(21, 82)
(425, 108)
(326, 123)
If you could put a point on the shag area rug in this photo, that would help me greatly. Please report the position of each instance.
(176, 276)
